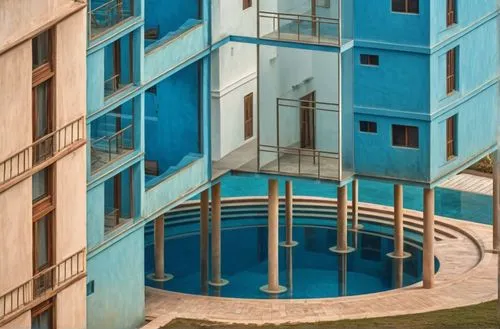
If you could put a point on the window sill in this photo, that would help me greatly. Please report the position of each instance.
(407, 148)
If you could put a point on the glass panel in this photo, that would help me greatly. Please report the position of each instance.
(398, 135)
(399, 5)
(413, 6)
(40, 185)
(42, 321)
(40, 49)
(41, 240)
(412, 137)
(41, 110)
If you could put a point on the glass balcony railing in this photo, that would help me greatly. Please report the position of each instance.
(107, 149)
(299, 27)
(106, 15)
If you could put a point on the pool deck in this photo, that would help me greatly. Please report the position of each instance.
(470, 183)
(468, 275)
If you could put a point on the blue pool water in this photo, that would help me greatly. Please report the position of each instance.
(308, 270)
(449, 203)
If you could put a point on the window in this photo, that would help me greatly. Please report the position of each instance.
(372, 60)
(42, 317)
(368, 126)
(451, 12)
(43, 219)
(247, 4)
(405, 6)
(41, 51)
(451, 150)
(248, 109)
(451, 62)
(90, 287)
(405, 136)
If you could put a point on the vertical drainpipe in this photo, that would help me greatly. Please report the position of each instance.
(207, 98)
(258, 85)
(340, 89)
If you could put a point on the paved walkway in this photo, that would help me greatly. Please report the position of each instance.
(470, 183)
(468, 275)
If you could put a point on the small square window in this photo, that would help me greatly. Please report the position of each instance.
(90, 288)
(372, 60)
(247, 4)
(406, 6)
(368, 126)
(405, 136)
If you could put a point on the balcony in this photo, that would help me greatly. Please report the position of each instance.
(40, 153)
(103, 16)
(112, 136)
(118, 66)
(306, 21)
(42, 286)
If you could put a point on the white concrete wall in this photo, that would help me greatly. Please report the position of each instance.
(234, 75)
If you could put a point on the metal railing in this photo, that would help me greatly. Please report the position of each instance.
(49, 280)
(112, 85)
(109, 148)
(301, 27)
(301, 161)
(108, 15)
(42, 150)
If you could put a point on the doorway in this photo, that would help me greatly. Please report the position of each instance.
(307, 121)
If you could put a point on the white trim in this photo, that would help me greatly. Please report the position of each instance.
(234, 85)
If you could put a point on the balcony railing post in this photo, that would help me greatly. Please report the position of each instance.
(279, 26)
(319, 162)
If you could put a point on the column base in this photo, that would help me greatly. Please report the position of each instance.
(404, 256)
(356, 228)
(342, 251)
(280, 290)
(166, 277)
(286, 244)
(221, 283)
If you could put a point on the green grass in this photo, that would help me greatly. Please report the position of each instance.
(482, 316)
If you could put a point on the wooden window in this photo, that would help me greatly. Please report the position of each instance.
(451, 64)
(451, 12)
(42, 316)
(43, 219)
(450, 138)
(41, 49)
(248, 115)
(368, 126)
(405, 136)
(372, 60)
(247, 4)
(406, 6)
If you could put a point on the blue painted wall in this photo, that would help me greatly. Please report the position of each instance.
(95, 216)
(118, 275)
(172, 125)
(169, 15)
(375, 21)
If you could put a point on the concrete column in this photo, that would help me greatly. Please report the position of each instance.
(398, 272)
(355, 215)
(273, 286)
(289, 216)
(204, 216)
(342, 275)
(216, 233)
(342, 218)
(496, 201)
(428, 261)
(159, 239)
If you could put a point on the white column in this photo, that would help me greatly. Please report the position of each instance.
(355, 214)
(273, 286)
(428, 260)
(204, 217)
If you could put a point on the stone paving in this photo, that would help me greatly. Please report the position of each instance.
(468, 275)
(470, 183)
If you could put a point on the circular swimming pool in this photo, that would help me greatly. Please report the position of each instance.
(308, 270)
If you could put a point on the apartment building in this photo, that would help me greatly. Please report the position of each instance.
(42, 164)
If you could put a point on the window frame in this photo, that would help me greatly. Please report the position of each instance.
(369, 60)
(451, 138)
(451, 13)
(48, 305)
(406, 144)
(451, 71)
(407, 8)
(371, 127)
(248, 123)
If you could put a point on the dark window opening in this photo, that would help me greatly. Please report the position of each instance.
(405, 136)
(451, 12)
(368, 126)
(450, 138)
(369, 60)
(451, 66)
(247, 4)
(406, 6)
(248, 115)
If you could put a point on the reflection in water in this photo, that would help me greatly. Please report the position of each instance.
(309, 270)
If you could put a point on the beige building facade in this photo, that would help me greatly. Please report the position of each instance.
(42, 163)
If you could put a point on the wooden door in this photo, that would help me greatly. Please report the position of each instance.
(248, 116)
(307, 121)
